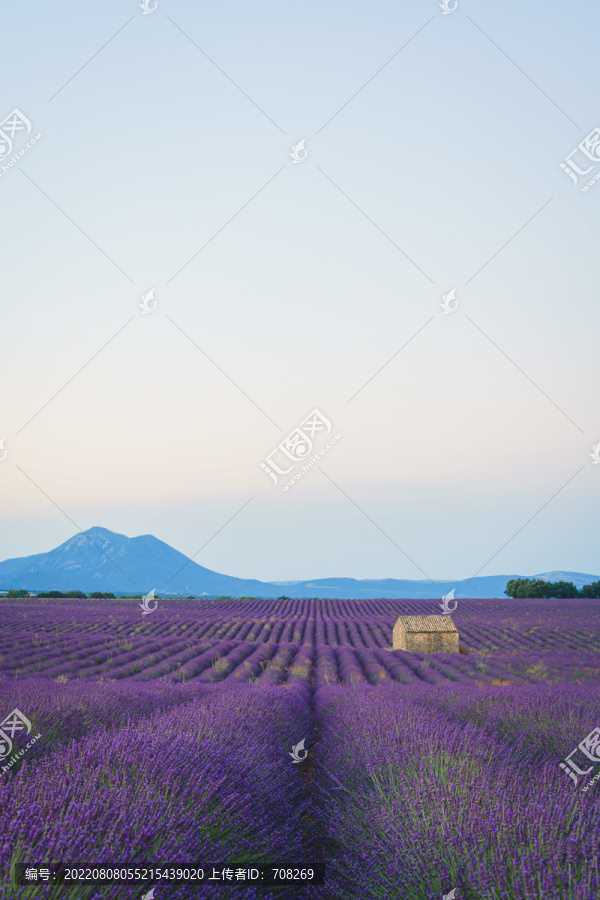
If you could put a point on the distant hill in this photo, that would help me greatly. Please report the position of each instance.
(101, 560)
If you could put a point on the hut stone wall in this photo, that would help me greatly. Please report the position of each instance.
(426, 634)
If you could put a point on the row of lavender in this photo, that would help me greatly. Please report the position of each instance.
(457, 789)
(351, 634)
(87, 614)
(144, 659)
(406, 792)
(103, 635)
(203, 780)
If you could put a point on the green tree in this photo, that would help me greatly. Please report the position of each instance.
(18, 593)
(55, 594)
(562, 589)
(79, 594)
(538, 588)
(516, 587)
(591, 590)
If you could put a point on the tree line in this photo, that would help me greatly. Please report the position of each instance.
(97, 595)
(520, 588)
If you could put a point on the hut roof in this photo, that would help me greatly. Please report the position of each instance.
(427, 623)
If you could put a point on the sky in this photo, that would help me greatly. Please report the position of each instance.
(158, 161)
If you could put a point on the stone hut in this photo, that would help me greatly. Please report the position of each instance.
(426, 634)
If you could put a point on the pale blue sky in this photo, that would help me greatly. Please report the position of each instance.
(442, 172)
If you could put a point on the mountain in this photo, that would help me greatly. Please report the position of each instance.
(101, 560)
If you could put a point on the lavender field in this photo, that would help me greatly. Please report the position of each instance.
(166, 739)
